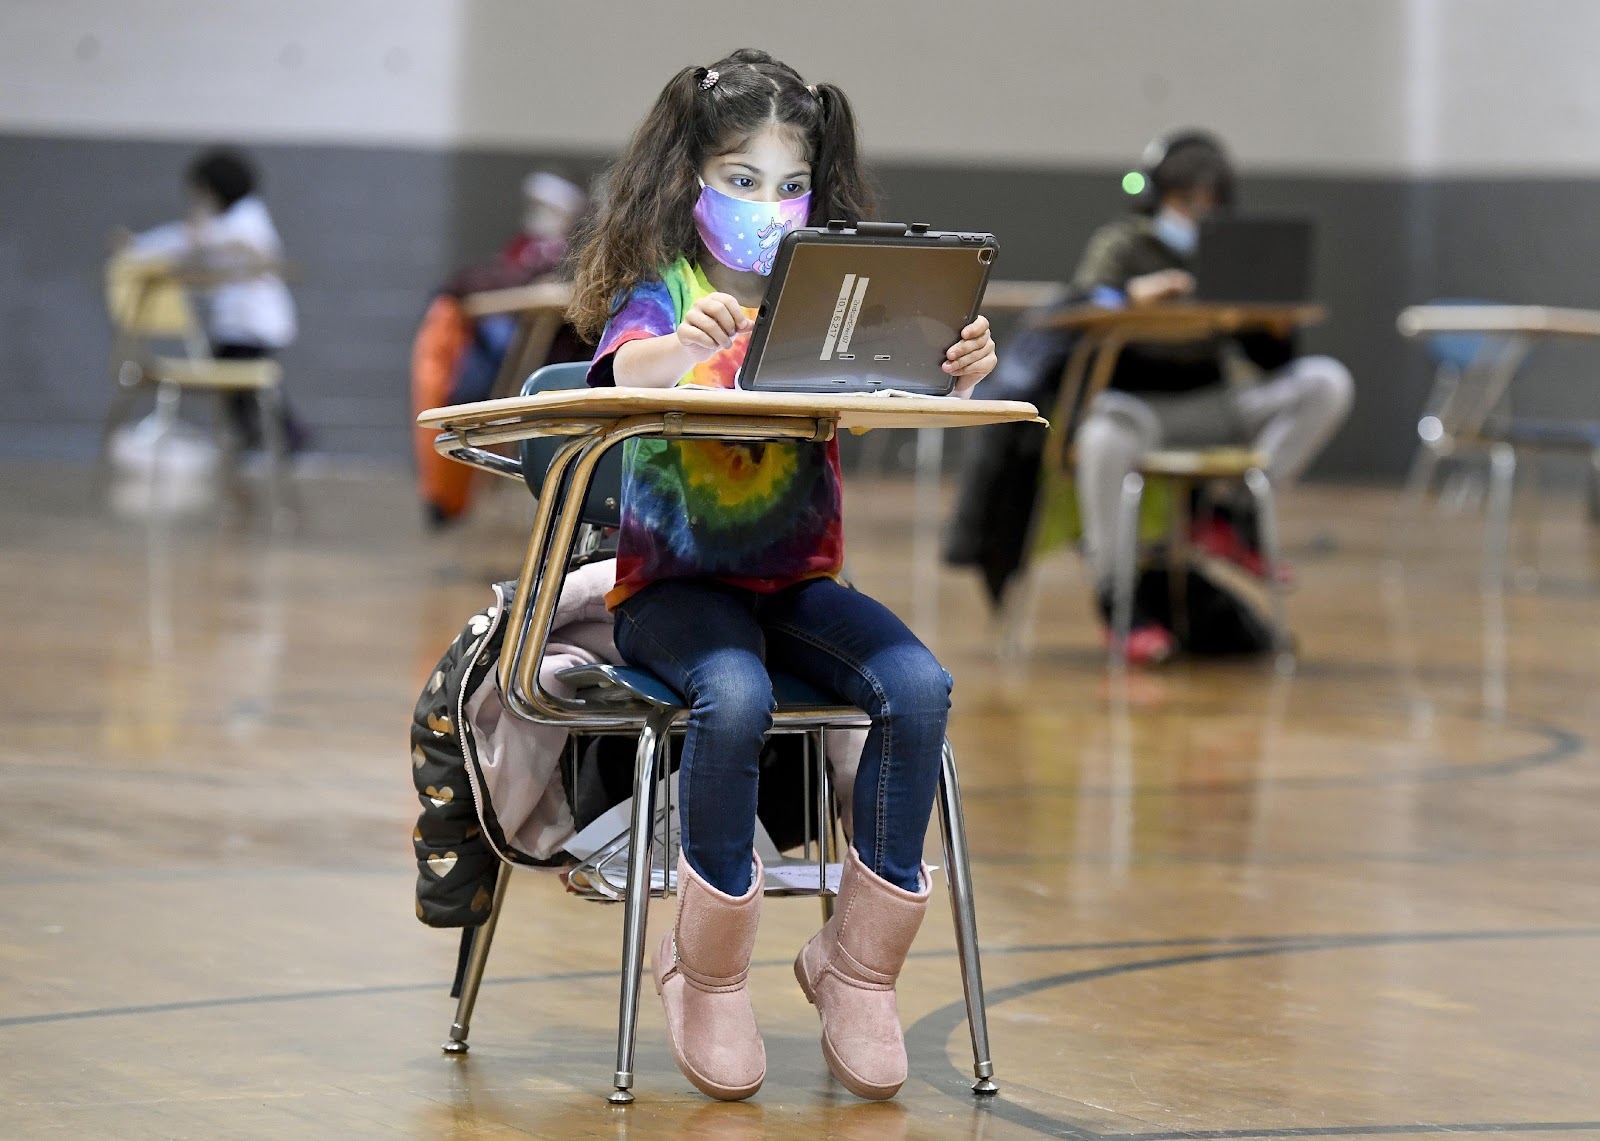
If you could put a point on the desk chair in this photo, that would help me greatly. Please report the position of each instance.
(149, 307)
(1467, 413)
(540, 309)
(625, 700)
(1087, 374)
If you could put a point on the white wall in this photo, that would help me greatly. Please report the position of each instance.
(1515, 85)
(1034, 81)
(1317, 85)
(367, 71)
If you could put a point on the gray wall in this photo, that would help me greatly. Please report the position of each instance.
(371, 230)
(374, 230)
(1448, 147)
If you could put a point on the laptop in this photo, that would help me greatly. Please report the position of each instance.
(866, 308)
(1255, 260)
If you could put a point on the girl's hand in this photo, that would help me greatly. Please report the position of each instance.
(711, 325)
(971, 358)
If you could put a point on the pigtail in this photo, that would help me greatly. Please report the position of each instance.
(645, 217)
(846, 188)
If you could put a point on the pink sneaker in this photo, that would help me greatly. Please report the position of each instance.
(1149, 644)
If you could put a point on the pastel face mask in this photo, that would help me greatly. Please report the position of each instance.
(1180, 233)
(745, 235)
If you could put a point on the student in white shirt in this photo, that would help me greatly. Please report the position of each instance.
(226, 228)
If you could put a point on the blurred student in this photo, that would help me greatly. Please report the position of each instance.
(455, 359)
(226, 231)
(1177, 395)
(551, 209)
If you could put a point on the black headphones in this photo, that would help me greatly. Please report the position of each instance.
(1145, 185)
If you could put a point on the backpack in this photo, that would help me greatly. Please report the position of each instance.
(458, 842)
(1225, 608)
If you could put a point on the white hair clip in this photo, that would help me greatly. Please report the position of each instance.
(709, 79)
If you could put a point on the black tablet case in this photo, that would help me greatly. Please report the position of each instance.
(866, 308)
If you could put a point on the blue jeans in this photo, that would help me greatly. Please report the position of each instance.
(713, 644)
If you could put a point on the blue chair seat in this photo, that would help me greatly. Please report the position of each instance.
(628, 684)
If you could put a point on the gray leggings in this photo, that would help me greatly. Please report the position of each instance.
(1289, 417)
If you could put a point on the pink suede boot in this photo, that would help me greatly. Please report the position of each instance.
(848, 971)
(700, 967)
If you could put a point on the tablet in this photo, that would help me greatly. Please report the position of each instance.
(866, 308)
(1255, 260)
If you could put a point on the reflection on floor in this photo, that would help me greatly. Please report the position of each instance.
(1362, 898)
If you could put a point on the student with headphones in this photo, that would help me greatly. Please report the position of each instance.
(1164, 395)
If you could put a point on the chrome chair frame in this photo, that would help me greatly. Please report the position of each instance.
(1454, 423)
(136, 367)
(621, 701)
(1466, 415)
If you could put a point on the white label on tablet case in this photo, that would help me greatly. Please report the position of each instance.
(849, 329)
(838, 317)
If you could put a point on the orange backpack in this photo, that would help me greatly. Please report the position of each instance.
(442, 340)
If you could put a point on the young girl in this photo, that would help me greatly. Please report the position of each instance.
(728, 562)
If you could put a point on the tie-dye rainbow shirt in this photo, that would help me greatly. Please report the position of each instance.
(758, 516)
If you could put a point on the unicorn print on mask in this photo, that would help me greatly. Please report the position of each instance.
(744, 235)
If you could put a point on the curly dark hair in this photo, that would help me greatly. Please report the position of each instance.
(646, 215)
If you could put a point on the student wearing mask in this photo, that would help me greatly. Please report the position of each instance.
(552, 207)
(1178, 395)
(456, 359)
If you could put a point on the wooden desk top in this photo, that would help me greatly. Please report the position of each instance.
(519, 299)
(854, 413)
(194, 274)
(1420, 320)
(1020, 296)
(1186, 317)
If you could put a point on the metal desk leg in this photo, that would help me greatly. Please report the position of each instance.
(1497, 522)
(457, 1042)
(1181, 492)
(952, 824)
(271, 407)
(827, 822)
(652, 742)
(1260, 487)
(1125, 578)
(531, 618)
(535, 565)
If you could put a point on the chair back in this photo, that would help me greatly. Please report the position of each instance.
(147, 305)
(1458, 350)
(1089, 368)
(1471, 374)
(145, 302)
(603, 507)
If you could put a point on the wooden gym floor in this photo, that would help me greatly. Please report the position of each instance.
(1360, 900)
